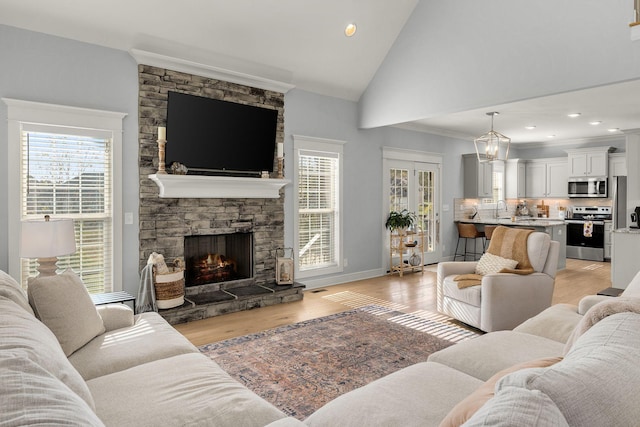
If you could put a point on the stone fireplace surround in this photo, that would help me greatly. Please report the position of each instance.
(165, 222)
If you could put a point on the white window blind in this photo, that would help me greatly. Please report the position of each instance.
(66, 172)
(318, 210)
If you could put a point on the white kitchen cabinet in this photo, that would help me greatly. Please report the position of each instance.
(515, 179)
(588, 162)
(478, 177)
(617, 165)
(546, 178)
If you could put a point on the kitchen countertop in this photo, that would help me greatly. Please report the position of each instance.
(529, 222)
(627, 230)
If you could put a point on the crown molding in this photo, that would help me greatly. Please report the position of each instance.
(210, 71)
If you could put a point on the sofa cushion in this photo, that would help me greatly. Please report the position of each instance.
(24, 335)
(596, 381)
(470, 404)
(31, 395)
(62, 302)
(150, 338)
(490, 263)
(485, 355)
(189, 389)
(513, 406)
(10, 289)
(556, 323)
(469, 295)
(419, 395)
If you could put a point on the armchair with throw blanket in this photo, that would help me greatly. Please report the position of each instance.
(512, 282)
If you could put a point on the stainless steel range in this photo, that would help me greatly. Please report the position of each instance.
(585, 232)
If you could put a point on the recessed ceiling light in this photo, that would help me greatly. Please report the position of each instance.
(350, 30)
(574, 115)
(595, 122)
(613, 129)
(529, 127)
(551, 136)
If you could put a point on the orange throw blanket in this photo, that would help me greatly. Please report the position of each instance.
(506, 242)
(511, 243)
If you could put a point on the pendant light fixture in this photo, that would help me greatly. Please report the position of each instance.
(492, 145)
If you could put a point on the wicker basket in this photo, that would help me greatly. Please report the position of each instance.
(169, 289)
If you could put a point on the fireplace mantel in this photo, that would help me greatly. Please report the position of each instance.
(212, 187)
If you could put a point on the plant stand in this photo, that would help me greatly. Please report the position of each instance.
(401, 245)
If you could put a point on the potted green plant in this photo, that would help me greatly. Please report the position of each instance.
(400, 221)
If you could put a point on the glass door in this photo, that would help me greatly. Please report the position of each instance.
(414, 186)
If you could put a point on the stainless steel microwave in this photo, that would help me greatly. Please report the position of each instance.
(588, 187)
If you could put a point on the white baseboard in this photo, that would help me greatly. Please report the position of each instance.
(343, 278)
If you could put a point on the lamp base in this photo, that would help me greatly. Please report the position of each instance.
(47, 266)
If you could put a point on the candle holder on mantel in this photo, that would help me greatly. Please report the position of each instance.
(161, 144)
(280, 167)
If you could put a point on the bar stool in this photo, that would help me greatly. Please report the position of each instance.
(488, 232)
(466, 232)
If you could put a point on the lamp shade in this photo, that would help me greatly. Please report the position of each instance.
(47, 238)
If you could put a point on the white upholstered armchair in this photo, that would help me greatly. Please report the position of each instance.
(502, 300)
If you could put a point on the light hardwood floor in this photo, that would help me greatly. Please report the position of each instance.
(410, 293)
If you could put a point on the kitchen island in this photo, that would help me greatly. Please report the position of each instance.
(557, 229)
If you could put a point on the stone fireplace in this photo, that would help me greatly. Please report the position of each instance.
(168, 225)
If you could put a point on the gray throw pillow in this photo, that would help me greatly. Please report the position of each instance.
(514, 407)
(62, 302)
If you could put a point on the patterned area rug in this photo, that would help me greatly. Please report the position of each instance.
(300, 367)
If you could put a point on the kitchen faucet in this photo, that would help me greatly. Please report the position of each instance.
(498, 206)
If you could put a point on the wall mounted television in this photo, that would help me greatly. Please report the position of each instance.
(211, 136)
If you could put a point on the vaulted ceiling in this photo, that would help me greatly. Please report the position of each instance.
(302, 42)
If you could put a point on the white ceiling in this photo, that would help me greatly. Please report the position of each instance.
(616, 106)
(295, 41)
(301, 42)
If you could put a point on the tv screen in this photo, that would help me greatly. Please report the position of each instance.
(209, 135)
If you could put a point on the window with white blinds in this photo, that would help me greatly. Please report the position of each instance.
(66, 173)
(319, 219)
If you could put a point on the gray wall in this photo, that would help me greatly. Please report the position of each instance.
(465, 54)
(538, 151)
(319, 116)
(42, 68)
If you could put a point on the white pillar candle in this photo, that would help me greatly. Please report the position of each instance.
(162, 132)
(280, 149)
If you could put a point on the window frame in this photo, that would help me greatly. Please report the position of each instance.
(22, 112)
(332, 148)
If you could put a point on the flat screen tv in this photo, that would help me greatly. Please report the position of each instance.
(219, 137)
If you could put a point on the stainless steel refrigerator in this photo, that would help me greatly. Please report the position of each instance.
(619, 202)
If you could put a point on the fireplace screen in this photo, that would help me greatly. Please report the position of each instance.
(218, 258)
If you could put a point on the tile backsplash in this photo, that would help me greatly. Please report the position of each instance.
(465, 208)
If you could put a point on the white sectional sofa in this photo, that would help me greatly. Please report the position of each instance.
(139, 371)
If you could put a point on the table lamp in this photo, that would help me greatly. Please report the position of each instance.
(47, 240)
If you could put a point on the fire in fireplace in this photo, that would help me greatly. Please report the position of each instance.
(218, 258)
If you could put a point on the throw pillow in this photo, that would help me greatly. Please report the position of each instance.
(472, 403)
(514, 406)
(33, 396)
(9, 288)
(21, 334)
(490, 263)
(602, 364)
(63, 304)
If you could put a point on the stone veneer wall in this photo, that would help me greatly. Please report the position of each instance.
(165, 222)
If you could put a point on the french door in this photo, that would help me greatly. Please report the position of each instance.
(415, 186)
